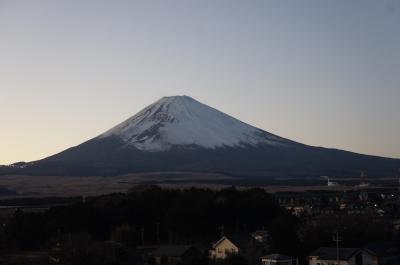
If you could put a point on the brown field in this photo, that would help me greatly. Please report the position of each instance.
(39, 186)
(61, 186)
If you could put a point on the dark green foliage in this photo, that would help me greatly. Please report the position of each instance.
(106, 229)
(283, 230)
(354, 231)
(125, 234)
(231, 260)
(26, 230)
(150, 215)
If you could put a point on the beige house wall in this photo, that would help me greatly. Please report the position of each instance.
(224, 249)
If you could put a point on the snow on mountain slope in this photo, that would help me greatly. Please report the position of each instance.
(181, 120)
(189, 134)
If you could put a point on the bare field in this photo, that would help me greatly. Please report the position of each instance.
(38, 186)
(63, 186)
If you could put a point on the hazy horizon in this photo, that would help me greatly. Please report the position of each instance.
(320, 73)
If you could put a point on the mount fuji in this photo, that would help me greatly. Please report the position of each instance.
(183, 121)
(181, 134)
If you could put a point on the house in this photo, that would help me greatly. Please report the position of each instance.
(174, 254)
(223, 248)
(244, 245)
(278, 259)
(381, 253)
(328, 256)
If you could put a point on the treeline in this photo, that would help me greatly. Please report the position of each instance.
(149, 215)
(156, 215)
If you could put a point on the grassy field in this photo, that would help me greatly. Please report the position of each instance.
(66, 186)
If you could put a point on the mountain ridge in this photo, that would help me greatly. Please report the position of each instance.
(180, 133)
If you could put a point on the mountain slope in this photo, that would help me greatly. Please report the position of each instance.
(182, 120)
(180, 133)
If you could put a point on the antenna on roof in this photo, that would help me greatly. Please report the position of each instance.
(158, 232)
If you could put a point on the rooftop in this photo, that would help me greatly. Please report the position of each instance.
(328, 253)
(276, 256)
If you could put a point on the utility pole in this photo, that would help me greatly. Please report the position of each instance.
(170, 237)
(158, 232)
(113, 252)
(142, 235)
(337, 240)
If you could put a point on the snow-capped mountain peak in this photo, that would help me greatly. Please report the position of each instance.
(181, 120)
(180, 134)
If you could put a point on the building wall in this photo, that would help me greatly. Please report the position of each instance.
(274, 262)
(315, 261)
(224, 249)
(369, 259)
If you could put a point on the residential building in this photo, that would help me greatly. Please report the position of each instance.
(329, 256)
(223, 248)
(278, 259)
(244, 245)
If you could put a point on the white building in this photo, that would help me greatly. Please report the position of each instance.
(278, 259)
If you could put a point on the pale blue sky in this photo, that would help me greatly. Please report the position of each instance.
(324, 73)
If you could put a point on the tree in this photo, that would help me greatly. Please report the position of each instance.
(125, 234)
